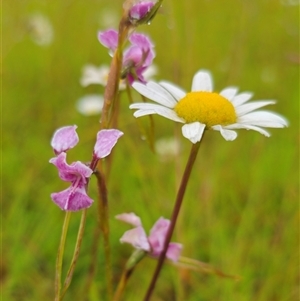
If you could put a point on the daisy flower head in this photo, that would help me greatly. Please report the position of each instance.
(202, 108)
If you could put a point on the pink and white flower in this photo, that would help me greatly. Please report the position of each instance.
(75, 197)
(64, 139)
(140, 10)
(137, 57)
(152, 244)
(77, 173)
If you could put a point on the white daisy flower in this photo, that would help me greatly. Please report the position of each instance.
(40, 29)
(97, 75)
(204, 109)
(90, 104)
(167, 148)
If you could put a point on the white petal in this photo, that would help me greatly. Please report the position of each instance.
(145, 105)
(193, 131)
(149, 108)
(248, 127)
(90, 104)
(241, 98)
(264, 119)
(228, 135)
(177, 92)
(129, 218)
(229, 92)
(156, 93)
(249, 107)
(137, 238)
(94, 75)
(202, 81)
(150, 72)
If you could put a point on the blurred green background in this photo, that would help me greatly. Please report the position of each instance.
(241, 209)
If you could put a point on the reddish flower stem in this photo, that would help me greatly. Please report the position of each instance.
(176, 209)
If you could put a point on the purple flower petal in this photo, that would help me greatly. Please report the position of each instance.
(137, 238)
(64, 139)
(154, 243)
(144, 43)
(140, 10)
(129, 218)
(72, 199)
(109, 39)
(138, 57)
(106, 140)
(158, 235)
(157, 239)
(71, 173)
(133, 56)
(174, 250)
(141, 40)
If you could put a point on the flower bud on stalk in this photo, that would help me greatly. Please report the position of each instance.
(141, 12)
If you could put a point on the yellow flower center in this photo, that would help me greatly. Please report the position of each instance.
(207, 108)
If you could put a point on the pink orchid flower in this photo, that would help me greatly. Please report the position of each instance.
(154, 243)
(75, 197)
(137, 57)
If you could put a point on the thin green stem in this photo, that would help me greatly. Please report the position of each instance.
(134, 259)
(75, 254)
(121, 286)
(112, 87)
(93, 261)
(176, 209)
(203, 267)
(59, 258)
(104, 226)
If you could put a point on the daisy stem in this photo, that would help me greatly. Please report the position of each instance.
(75, 254)
(59, 258)
(103, 215)
(176, 209)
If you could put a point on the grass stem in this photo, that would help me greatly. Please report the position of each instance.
(75, 254)
(60, 253)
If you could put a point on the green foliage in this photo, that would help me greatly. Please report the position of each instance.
(240, 212)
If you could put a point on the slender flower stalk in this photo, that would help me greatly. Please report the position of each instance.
(75, 254)
(93, 261)
(103, 213)
(134, 259)
(112, 87)
(59, 258)
(176, 209)
(110, 96)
